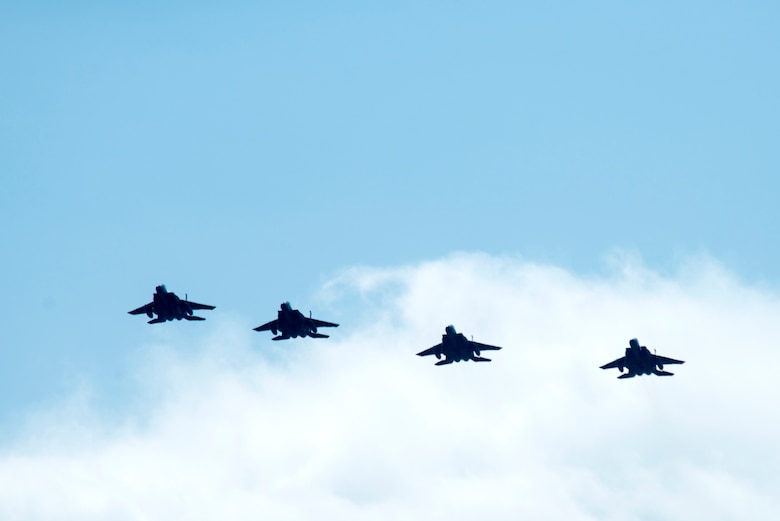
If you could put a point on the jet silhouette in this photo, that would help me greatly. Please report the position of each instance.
(456, 347)
(292, 324)
(167, 306)
(639, 360)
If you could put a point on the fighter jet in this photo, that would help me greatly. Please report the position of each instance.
(291, 324)
(168, 306)
(639, 360)
(456, 347)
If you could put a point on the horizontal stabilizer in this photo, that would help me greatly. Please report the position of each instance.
(156, 320)
(444, 362)
(318, 335)
(281, 337)
(627, 375)
(662, 373)
(480, 359)
(194, 318)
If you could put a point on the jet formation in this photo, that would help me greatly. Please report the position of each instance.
(168, 306)
(639, 360)
(291, 323)
(456, 347)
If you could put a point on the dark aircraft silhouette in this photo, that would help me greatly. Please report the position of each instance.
(292, 324)
(456, 347)
(167, 306)
(639, 360)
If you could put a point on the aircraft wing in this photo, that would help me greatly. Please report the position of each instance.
(483, 347)
(430, 351)
(195, 305)
(322, 323)
(665, 361)
(620, 362)
(274, 324)
(148, 308)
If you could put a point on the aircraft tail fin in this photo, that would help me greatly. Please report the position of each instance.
(662, 373)
(193, 317)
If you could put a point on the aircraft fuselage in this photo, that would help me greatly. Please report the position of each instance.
(168, 306)
(292, 323)
(456, 347)
(640, 361)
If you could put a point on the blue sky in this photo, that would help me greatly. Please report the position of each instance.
(247, 155)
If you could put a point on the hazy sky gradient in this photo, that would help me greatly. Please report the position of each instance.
(247, 155)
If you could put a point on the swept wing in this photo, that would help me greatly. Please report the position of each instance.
(483, 347)
(620, 362)
(148, 308)
(663, 360)
(431, 351)
(195, 305)
(322, 323)
(272, 325)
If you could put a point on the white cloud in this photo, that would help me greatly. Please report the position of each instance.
(357, 427)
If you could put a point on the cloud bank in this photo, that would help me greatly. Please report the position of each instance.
(357, 427)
